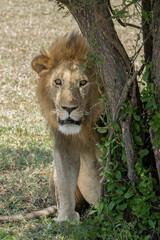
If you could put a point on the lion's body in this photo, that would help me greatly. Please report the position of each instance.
(69, 98)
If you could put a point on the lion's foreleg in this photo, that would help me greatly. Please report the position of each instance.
(67, 170)
(53, 184)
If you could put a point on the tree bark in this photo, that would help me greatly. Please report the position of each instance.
(156, 73)
(156, 46)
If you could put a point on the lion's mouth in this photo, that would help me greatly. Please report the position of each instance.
(69, 121)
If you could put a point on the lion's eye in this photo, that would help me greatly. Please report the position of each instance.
(58, 82)
(83, 83)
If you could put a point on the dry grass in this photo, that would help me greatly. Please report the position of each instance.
(25, 147)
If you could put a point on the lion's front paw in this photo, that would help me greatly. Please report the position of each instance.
(71, 217)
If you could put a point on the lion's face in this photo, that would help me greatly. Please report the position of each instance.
(69, 88)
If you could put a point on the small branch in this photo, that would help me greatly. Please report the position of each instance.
(128, 142)
(60, 5)
(41, 213)
(127, 6)
(128, 147)
(156, 151)
(119, 20)
(137, 52)
(108, 160)
(124, 94)
(127, 138)
(125, 131)
(127, 24)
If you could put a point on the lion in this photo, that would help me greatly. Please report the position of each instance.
(70, 102)
(69, 98)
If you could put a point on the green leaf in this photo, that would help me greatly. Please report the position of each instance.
(111, 206)
(149, 65)
(146, 76)
(145, 98)
(151, 103)
(137, 118)
(151, 223)
(122, 207)
(110, 187)
(147, 237)
(118, 175)
(92, 212)
(143, 153)
(137, 127)
(102, 130)
(107, 144)
(120, 192)
(116, 126)
(138, 140)
(128, 195)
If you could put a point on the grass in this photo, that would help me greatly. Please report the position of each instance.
(26, 150)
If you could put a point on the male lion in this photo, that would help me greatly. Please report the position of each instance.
(69, 98)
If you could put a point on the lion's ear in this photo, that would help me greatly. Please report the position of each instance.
(40, 63)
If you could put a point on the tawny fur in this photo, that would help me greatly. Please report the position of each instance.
(75, 175)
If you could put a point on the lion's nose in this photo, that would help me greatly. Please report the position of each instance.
(69, 109)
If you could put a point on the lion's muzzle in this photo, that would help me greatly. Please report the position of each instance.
(69, 119)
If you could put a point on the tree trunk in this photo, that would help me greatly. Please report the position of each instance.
(156, 74)
(156, 46)
(95, 22)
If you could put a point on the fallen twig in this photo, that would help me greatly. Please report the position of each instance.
(36, 214)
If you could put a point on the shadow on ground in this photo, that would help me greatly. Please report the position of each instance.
(20, 157)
